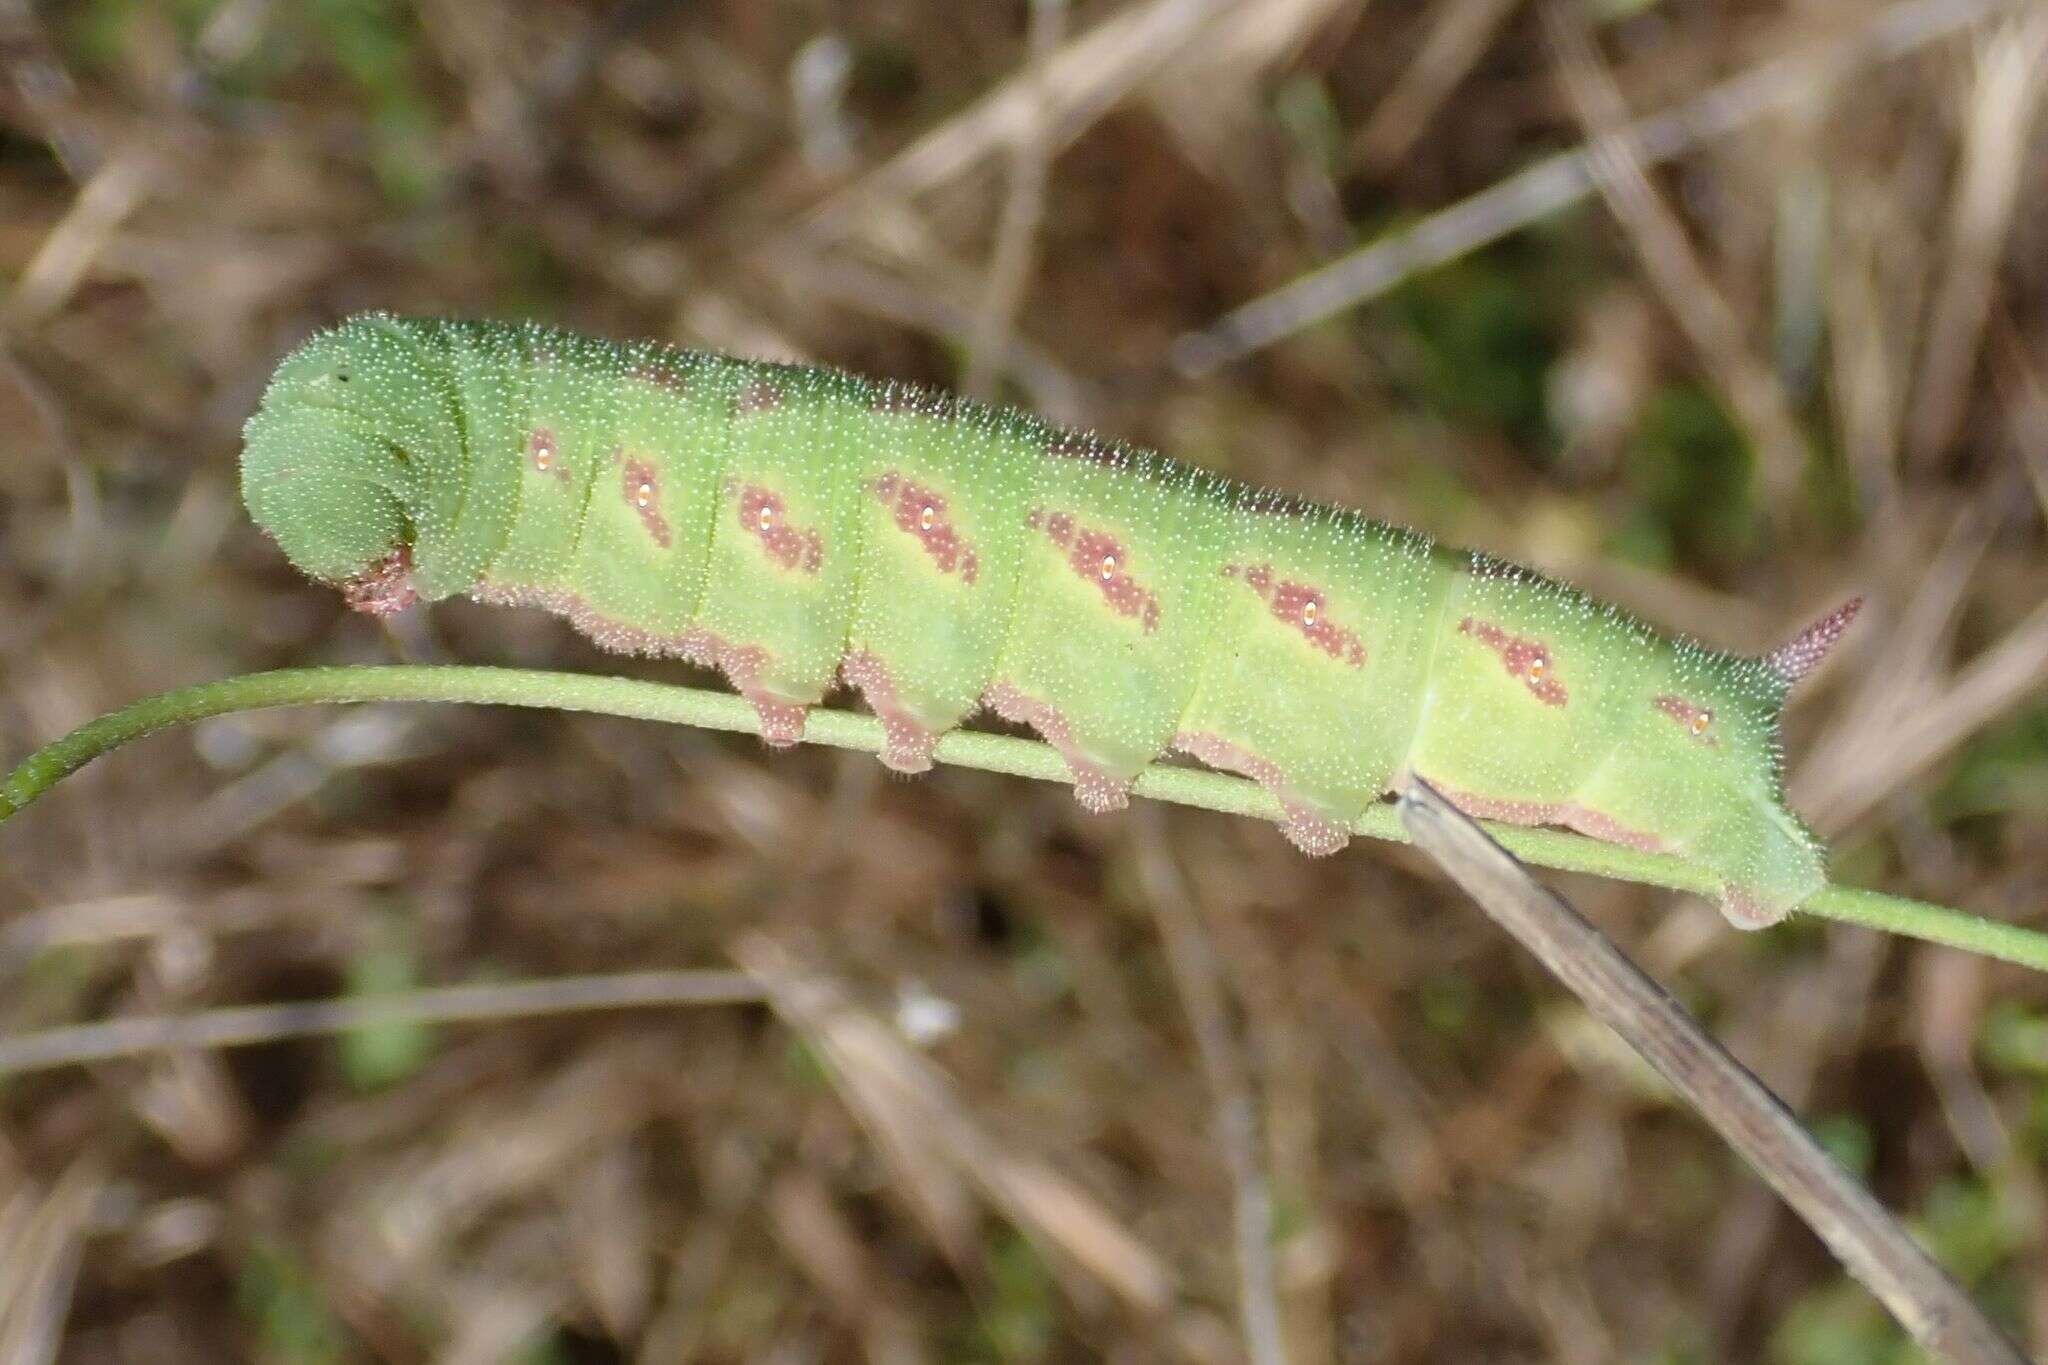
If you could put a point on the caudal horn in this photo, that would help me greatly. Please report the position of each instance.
(1801, 654)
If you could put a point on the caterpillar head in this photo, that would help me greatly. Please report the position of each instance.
(337, 461)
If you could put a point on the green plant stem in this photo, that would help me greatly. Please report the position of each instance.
(965, 748)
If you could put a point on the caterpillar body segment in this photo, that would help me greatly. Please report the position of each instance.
(566, 394)
(487, 374)
(1115, 614)
(1566, 670)
(944, 492)
(797, 526)
(1323, 643)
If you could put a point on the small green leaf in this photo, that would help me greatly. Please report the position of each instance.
(281, 1299)
(1018, 1322)
(1848, 1140)
(2014, 1038)
(1690, 470)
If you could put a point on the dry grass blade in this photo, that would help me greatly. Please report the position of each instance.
(1866, 306)
(1869, 1242)
(115, 191)
(99, 920)
(1904, 732)
(1009, 268)
(40, 1250)
(817, 1237)
(241, 1027)
(1215, 97)
(1069, 1060)
(1171, 47)
(1558, 182)
(1083, 78)
(49, 99)
(1459, 37)
(2027, 415)
(1754, 395)
(1950, 992)
(891, 1087)
(2012, 74)
(411, 1235)
(871, 1067)
(933, 308)
(1814, 1017)
(1199, 979)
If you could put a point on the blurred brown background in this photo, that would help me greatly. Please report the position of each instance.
(1028, 1074)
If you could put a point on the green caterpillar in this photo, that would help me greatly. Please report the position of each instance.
(798, 526)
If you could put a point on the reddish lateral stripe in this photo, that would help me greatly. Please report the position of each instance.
(641, 485)
(762, 513)
(922, 513)
(1695, 719)
(608, 633)
(1097, 790)
(782, 720)
(1100, 558)
(906, 742)
(1529, 660)
(1307, 830)
(1569, 814)
(1305, 608)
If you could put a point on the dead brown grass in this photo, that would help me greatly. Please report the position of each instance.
(1024, 1083)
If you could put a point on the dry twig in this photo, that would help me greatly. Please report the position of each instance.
(1868, 1241)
